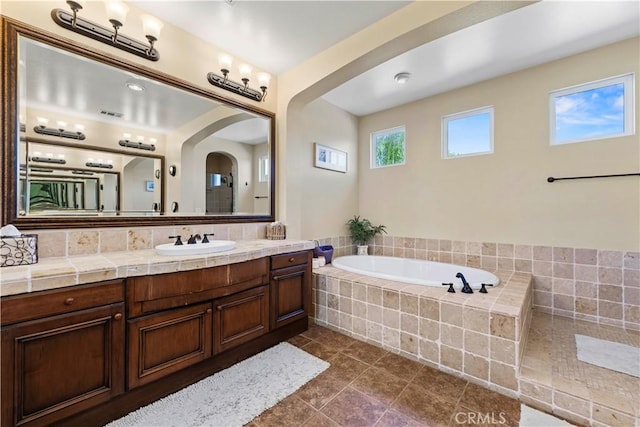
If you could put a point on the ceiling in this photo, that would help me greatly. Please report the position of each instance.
(277, 35)
(272, 35)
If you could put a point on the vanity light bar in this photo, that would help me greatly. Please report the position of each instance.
(48, 160)
(99, 165)
(235, 87)
(83, 26)
(76, 172)
(138, 145)
(58, 132)
(40, 170)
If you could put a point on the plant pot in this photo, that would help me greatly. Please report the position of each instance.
(363, 249)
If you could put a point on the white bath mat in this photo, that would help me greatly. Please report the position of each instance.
(611, 355)
(530, 417)
(235, 396)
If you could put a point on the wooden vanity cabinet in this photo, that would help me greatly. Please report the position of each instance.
(171, 320)
(290, 287)
(241, 317)
(62, 352)
(166, 342)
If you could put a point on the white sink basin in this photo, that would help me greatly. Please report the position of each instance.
(196, 249)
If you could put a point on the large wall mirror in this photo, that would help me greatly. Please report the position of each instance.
(87, 140)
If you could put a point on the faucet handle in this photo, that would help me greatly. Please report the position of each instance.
(178, 241)
(450, 285)
(483, 290)
(205, 239)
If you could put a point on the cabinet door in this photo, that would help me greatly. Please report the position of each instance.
(241, 317)
(60, 365)
(290, 294)
(163, 343)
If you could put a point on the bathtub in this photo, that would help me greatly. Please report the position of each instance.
(418, 272)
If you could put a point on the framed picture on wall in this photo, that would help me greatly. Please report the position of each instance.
(150, 186)
(329, 158)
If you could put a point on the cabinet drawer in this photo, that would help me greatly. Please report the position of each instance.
(148, 294)
(290, 259)
(18, 308)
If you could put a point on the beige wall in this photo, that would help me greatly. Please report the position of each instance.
(330, 198)
(181, 54)
(504, 197)
(409, 27)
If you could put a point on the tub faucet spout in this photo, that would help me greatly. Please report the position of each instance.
(466, 289)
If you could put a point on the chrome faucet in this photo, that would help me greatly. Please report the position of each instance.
(466, 289)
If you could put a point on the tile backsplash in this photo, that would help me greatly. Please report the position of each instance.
(60, 243)
(601, 286)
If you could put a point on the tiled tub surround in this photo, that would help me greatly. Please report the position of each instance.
(476, 336)
(601, 286)
(51, 273)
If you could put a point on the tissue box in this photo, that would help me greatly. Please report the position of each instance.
(18, 250)
(276, 231)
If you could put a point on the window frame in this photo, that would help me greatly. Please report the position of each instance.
(462, 115)
(263, 168)
(628, 82)
(372, 148)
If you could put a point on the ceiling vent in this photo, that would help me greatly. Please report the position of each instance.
(111, 113)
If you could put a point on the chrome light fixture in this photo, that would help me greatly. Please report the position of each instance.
(223, 81)
(44, 130)
(116, 13)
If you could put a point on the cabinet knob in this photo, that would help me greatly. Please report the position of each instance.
(69, 301)
(117, 316)
(209, 310)
(292, 259)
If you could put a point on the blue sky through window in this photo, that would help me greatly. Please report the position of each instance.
(469, 135)
(590, 114)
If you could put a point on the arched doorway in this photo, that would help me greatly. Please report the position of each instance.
(220, 190)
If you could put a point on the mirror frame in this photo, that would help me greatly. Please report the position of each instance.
(11, 30)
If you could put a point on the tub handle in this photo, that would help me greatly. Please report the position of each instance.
(483, 290)
(450, 285)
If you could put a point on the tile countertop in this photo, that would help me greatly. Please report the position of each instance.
(52, 273)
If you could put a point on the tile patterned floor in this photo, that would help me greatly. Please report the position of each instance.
(368, 386)
(552, 374)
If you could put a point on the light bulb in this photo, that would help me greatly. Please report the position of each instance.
(225, 61)
(245, 71)
(264, 79)
(116, 12)
(151, 27)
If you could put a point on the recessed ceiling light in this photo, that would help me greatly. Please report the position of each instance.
(402, 78)
(135, 86)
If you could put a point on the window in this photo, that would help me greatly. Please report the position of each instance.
(596, 110)
(468, 133)
(263, 169)
(388, 147)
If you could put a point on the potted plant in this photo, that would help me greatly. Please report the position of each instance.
(362, 230)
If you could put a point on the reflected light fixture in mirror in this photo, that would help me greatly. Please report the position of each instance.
(116, 13)
(42, 129)
(223, 81)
